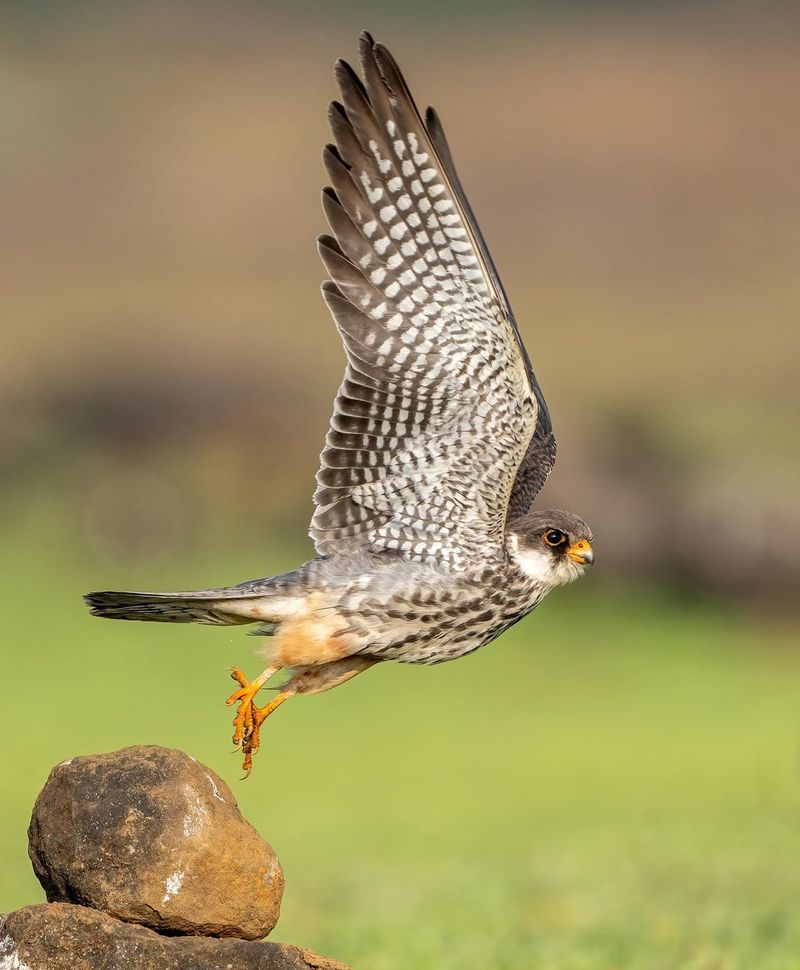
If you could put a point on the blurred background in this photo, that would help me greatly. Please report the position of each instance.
(614, 783)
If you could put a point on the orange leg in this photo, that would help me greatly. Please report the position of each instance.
(305, 680)
(245, 696)
(249, 717)
(252, 741)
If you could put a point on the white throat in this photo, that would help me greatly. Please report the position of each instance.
(541, 566)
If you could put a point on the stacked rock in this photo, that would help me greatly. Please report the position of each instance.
(148, 863)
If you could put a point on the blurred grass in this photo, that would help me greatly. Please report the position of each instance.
(635, 177)
(613, 784)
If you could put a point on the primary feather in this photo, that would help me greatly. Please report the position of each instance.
(439, 412)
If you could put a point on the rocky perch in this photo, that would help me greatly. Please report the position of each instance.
(147, 863)
(61, 936)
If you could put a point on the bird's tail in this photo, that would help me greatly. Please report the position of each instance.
(218, 607)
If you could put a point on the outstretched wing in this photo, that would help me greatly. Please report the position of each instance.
(540, 456)
(439, 404)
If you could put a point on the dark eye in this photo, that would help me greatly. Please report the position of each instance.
(555, 537)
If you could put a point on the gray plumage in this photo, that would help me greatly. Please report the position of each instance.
(440, 437)
(385, 608)
(439, 404)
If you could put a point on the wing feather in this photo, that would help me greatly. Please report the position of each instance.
(540, 457)
(439, 407)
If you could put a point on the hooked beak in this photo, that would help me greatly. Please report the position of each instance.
(581, 553)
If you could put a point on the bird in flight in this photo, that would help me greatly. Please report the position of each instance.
(440, 437)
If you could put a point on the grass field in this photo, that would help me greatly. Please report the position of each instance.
(612, 785)
(615, 785)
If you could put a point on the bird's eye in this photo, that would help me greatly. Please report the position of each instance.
(555, 537)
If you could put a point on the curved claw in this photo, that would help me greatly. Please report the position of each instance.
(244, 721)
(249, 718)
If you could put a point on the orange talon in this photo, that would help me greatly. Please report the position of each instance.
(252, 738)
(243, 722)
(238, 676)
(249, 718)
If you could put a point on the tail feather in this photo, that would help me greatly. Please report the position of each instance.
(215, 607)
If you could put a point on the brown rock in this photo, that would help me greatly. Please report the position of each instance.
(151, 836)
(60, 936)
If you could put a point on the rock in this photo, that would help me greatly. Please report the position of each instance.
(151, 836)
(61, 936)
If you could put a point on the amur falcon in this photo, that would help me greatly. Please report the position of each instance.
(440, 437)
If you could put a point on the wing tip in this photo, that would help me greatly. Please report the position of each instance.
(347, 79)
(330, 291)
(331, 156)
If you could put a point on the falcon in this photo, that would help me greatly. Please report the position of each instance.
(440, 437)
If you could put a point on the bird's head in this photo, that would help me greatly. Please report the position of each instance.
(552, 547)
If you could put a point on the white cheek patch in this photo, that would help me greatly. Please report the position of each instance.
(542, 567)
(536, 565)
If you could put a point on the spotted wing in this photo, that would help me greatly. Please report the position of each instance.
(540, 456)
(438, 404)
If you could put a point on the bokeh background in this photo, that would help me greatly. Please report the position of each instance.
(615, 783)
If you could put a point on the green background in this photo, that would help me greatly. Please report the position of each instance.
(614, 784)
